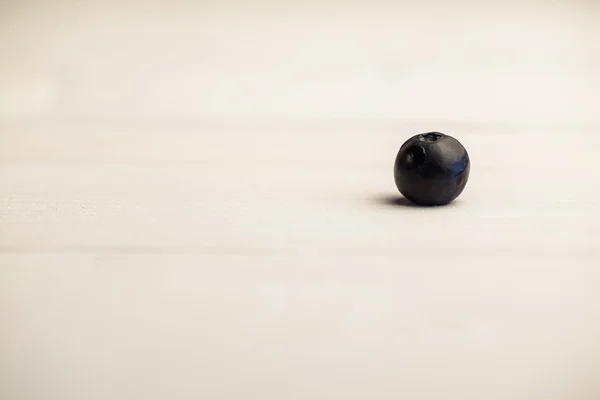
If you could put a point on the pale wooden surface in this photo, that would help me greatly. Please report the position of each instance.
(156, 247)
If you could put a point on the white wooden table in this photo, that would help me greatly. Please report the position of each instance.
(201, 227)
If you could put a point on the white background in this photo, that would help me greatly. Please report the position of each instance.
(197, 201)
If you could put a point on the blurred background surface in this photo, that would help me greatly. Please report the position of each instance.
(460, 60)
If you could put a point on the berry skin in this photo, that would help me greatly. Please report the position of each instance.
(431, 169)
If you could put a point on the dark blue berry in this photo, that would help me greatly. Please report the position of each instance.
(432, 169)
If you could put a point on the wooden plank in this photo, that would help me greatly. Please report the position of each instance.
(308, 189)
(225, 325)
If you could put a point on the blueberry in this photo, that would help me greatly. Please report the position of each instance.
(431, 169)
